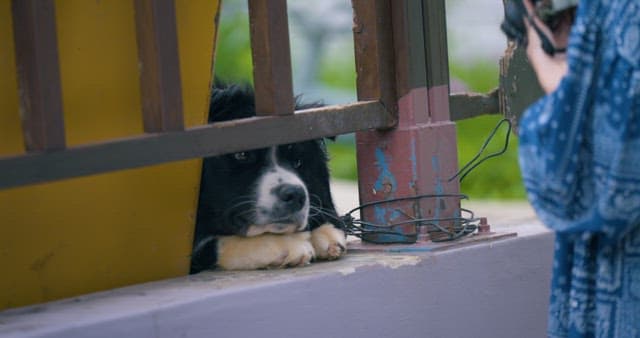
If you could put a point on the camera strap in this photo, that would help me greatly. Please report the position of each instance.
(547, 46)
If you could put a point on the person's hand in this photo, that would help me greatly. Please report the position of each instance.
(549, 69)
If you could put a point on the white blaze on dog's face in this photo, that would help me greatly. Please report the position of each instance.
(282, 200)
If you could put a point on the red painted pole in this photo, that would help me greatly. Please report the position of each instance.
(420, 154)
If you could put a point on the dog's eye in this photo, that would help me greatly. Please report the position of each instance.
(297, 163)
(242, 157)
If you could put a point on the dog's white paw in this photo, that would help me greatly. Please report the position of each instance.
(265, 251)
(328, 242)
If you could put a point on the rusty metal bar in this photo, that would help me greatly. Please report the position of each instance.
(36, 43)
(419, 155)
(160, 84)
(468, 105)
(408, 39)
(519, 86)
(437, 63)
(271, 57)
(374, 52)
(435, 42)
(201, 141)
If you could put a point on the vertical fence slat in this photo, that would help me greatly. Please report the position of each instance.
(408, 40)
(271, 57)
(437, 64)
(160, 84)
(419, 155)
(36, 45)
(374, 52)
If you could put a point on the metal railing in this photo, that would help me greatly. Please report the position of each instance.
(165, 138)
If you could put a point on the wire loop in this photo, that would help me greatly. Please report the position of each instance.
(458, 226)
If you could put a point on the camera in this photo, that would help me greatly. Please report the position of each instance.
(552, 13)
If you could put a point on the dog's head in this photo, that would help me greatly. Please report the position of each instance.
(279, 189)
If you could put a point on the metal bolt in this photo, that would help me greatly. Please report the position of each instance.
(484, 227)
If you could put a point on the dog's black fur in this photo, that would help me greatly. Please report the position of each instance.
(228, 196)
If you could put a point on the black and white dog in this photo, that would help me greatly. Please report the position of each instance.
(264, 208)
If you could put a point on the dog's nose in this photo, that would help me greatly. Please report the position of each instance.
(291, 195)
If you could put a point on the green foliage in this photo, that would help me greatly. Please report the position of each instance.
(233, 50)
(480, 76)
(339, 70)
(342, 162)
(498, 177)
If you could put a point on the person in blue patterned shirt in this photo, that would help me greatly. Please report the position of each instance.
(580, 160)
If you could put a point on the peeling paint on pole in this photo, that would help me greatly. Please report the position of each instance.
(407, 161)
(386, 182)
(417, 156)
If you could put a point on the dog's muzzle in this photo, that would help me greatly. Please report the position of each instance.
(290, 199)
(286, 211)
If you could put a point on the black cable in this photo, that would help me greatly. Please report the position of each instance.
(467, 168)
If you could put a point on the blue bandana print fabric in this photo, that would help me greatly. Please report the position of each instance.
(580, 160)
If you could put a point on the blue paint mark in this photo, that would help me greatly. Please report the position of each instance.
(410, 249)
(414, 165)
(435, 165)
(385, 175)
(379, 214)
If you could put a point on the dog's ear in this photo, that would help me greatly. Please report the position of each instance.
(230, 102)
(322, 143)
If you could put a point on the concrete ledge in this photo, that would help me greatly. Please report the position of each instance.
(494, 289)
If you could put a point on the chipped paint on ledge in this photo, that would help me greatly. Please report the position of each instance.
(386, 261)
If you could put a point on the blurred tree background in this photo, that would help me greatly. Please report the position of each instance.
(324, 70)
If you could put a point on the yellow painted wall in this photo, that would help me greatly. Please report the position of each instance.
(93, 233)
